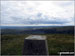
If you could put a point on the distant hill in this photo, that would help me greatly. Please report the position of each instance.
(38, 30)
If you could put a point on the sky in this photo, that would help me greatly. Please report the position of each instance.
(37, 13)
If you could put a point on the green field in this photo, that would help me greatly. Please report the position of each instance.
(13, 44)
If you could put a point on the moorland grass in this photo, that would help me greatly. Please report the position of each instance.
(13, 44)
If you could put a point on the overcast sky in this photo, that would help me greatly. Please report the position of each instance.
(22, 13)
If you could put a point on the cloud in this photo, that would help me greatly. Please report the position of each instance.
(37, 12)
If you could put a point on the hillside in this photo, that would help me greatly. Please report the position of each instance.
(38, 30)
(59, 39)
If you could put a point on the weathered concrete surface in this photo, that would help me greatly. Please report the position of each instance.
(35, 45)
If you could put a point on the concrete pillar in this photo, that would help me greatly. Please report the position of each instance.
(35, 45)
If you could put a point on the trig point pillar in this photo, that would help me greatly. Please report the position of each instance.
(35, 45)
